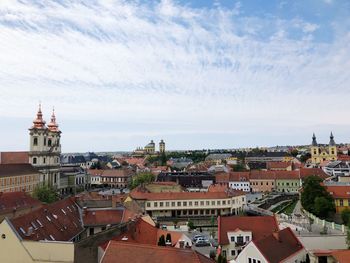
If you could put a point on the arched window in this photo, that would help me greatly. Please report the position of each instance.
(44, 160)
(35, 141)
(34, 160)
(49, 142)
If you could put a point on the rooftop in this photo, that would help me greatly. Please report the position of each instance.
(17, 169)
(16, 201)
(278, 246)
(103, 216)
(14, 157)
(260, 226)
(59, 221)
(131, 252)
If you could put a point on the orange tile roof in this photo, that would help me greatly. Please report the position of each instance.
(278, 246)
(218, 188)
(222, 177)
(58, 221)
(125, 252)
(305, 172)
(262, 175)
(260, 226)
(17, 201)
(343, 157)
(339, 191)
(287, 175)
(14, 157)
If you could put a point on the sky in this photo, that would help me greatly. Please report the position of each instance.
(198, 74)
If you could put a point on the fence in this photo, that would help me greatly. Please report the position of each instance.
(325, 223)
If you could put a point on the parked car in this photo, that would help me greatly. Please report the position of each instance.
(194, 239)
(202, 243)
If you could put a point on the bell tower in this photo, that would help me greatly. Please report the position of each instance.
(45, 148)
(315, 150)
(332, 148)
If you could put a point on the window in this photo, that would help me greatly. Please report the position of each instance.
(44, 141)
(148, 204)
(224, 202)
(249, 260)
(92, 231)
(190, 203)
(246, 238)
(34, 160)
(184, 203)
(212, 202)
(155, 204)
(172, 203)
(232, 239)
(166, 203)
(44, 160)
(49, 142)
(196, 203)
(202, 202)
(161, 204)
(207, 203)
(35, 141)
(341, 202)
(233, 252)
(178, 203)
(218, 202)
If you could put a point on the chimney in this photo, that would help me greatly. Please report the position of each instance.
(30, 231)
(277, 236)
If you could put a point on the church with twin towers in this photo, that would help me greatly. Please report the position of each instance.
(45, 148)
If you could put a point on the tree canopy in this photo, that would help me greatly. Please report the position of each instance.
(345, 216)
(45, 194)
(142, 178)
(315, 197)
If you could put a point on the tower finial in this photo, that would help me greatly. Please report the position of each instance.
(331, 140)
(53, 126)
(314, 142)
(39, 123)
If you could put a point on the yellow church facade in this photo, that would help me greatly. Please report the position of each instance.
(320, 154)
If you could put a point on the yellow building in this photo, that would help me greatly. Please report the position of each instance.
(341, 196)
(162, 146)
(14, 249)
(150, 148)
(18, 177)
(320, 154)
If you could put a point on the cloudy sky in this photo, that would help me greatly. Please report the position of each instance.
(198, 74)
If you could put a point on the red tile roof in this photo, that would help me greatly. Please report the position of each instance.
(287, 175)
(103, 216)
(238, 176)
(262, 175)
(17, 201)
(222, 177)
(17, 169)
(130, 252)
(305, 172)
(57, 221)
(342, 256)
(14, 157)
(279, 245)
(142, 195)
(343, 157)
(278, 165)
(218, 188)
(339, 191)
(260, 226)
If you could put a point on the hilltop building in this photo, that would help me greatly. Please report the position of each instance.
(149, 149)
(320, 153)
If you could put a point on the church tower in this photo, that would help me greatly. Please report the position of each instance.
(45, 149)
(332, 148)
(162, 146)
(315, 150)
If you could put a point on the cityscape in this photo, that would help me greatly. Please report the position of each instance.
(174, 131)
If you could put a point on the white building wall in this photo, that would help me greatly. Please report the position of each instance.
(250, 251)
(239, 185)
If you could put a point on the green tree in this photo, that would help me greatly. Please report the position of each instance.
(323, 206)
(141, 178)
(345, 216)
(163, 159)
(312, 189)
(45, 194)
(294, 152)
(221, 259)
(161, 241)
(190, 224)
(305, 157)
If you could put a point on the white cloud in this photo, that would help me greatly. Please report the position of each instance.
(167, 64)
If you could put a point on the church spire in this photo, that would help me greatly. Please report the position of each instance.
(314, 142)
(331, 140)
(53, 126)
(39, 123)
